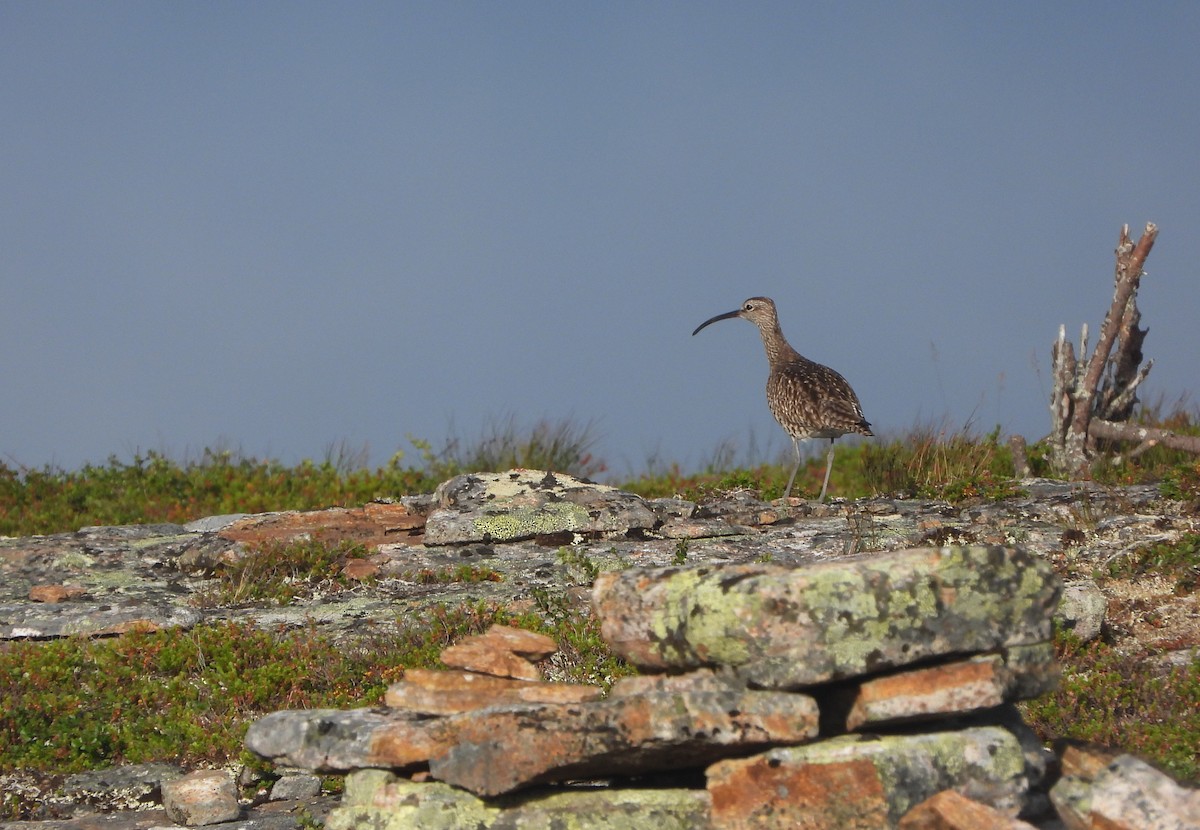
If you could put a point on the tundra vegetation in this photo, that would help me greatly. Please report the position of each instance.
(187, 696)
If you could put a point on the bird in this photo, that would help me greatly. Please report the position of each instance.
(808, 400)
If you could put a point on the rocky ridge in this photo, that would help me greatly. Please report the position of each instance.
(534, 529)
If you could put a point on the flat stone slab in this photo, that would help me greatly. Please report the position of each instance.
(495, 751)
(783, 627)
(92, 619)
(853, 782)
(523, 504)
(340, 740)
(379, 799)
(499, 749)
(429, 692)
(957, 687)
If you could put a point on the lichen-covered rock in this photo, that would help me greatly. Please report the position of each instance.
(522, 504)
(1082, 609)
(853, 783)
(336, 740)
(1128, 794)
(788, 627)
(201, 798)
(383, 801)
(380, 800)
(90, 619)
(495, 751)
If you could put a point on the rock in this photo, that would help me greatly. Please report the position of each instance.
(201, 798)
(785, 627)
(854, 782)
(496, 751)
(609, 809)
(502, 651)
(1128, 794)
(122, 787)
(450, 692)
(372, 525)
(379, 799)
(296, 787)
(952, 688)
(335, 740)
(56, 593)
(646, 725)
(1082, 609)
(522, 504)
(172, 566)
(949, 810)
(1083, 760)
(92, 619)
(211, 524)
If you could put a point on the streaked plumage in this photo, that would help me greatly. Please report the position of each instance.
(807, 399)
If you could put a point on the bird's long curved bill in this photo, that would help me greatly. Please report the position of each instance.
(711, 320)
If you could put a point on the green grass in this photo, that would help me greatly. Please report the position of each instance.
(188, 696)
(1124, 701)
(928, 461)
(280, 572)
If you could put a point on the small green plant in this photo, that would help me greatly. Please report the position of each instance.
(446, 576)
(578, 565)
(281, 572)
(681, 551)
(1182, 483)
(1179, 560)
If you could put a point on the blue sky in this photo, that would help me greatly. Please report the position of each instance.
(281, 226)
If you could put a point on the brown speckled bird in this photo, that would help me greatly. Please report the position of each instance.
(807, 399)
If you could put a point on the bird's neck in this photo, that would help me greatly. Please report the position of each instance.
(778, 349)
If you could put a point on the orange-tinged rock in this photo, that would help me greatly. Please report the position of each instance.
(495, 751)
(450, 692)
(360, 570)
(55, 593)
(847, 795)
(502, 651)
(949, 810)
(479, 657)
(372, 525)
(857, 782)
(951, 688)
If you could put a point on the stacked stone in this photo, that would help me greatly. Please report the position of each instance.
(842, 694)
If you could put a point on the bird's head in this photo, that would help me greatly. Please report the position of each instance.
(758, 310)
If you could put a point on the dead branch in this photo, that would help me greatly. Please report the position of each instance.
(1101, 386)
(1148, 436)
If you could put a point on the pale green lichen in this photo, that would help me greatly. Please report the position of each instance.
(698, 618)
(911, 768)
(522, 522)
(381, 800)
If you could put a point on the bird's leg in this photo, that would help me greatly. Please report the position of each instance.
(795, 451)
(828, 470)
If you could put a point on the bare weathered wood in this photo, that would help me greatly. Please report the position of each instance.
(1147, 436)
(1020, 456)
(1102, 385)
